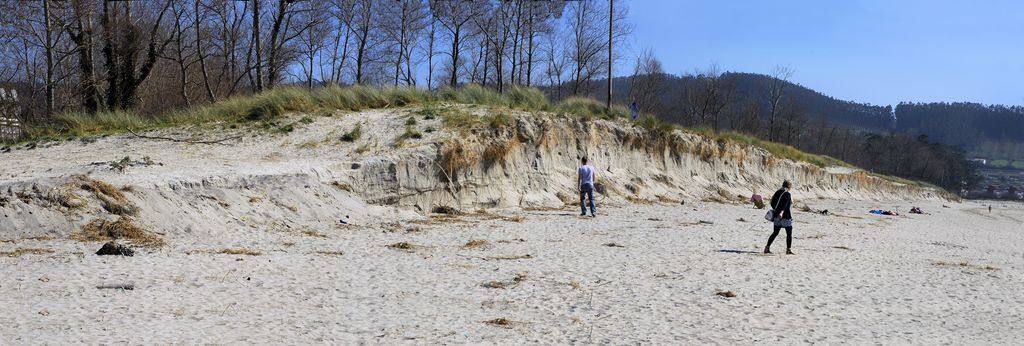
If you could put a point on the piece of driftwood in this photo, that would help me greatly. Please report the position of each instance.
(126, 287)
(179, 140)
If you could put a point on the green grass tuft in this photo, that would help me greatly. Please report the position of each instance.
(782, 150)
(410, 133)
(354, 134)
(497, 120)
(456, 118)
(590, 108)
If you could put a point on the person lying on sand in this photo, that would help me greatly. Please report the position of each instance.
(783, 217)
(585, 183)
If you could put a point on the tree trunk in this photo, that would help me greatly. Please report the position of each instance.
(49, 58)
(110, 60)
(455, 58)
(257, 45)
(83, 39)
(273, 70)
(611, 21)
(529, 50)
(202, 58)
(430, 54)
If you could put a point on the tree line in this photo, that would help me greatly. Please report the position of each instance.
(92, 56)
(146, 56)
(772, 108)
(993, 131)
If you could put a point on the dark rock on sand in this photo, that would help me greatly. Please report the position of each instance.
(115, 249)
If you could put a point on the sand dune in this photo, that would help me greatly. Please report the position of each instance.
(242, 243)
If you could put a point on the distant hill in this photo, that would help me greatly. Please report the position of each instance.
(991, 131)
(995, 132)
(751, 86)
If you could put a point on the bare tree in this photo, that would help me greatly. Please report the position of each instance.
(403, 23)
(555, 62)
(291, 20)
(183, 51)
(257, 44)
(82, 34)
(539, 20)
(49, 48)
(611, 61)
(314, 38)
(431, 37)
(708, 93)
(230, 18)
(123, 38)
(774, 92)
(495, 29)
(344, 14)
(455, 17)
(200, 14)
(361, 26)
(586, 22)
(647, 84)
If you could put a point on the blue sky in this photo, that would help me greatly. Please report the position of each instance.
(874, 51)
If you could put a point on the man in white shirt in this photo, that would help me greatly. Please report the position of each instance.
(585, 182)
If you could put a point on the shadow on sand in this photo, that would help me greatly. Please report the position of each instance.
(738, 251)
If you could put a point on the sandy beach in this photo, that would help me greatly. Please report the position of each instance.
(647, 274)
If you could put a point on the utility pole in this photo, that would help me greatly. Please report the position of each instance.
(611, 20)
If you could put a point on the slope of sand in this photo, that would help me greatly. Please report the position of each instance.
(950, 277)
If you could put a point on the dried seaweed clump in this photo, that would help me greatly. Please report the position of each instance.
(122, 229)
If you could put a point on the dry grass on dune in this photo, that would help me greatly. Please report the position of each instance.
(963, 264)
(497, 152)
(235, 251)
(454, 158)
(475, 244)
(67, 197)
(122, 228)
(111, 198)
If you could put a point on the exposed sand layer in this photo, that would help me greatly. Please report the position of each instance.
(635, 274)
(311, 178)
(242, 242)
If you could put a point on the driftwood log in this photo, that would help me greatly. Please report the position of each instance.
(179, 140)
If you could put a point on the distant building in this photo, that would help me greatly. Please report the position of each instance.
(10, 127)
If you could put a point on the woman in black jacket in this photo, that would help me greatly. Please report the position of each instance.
(781, 203)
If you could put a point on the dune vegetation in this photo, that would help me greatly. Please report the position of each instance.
(268, 109)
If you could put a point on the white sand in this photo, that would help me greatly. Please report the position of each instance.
(898, 280)
(659, 288)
